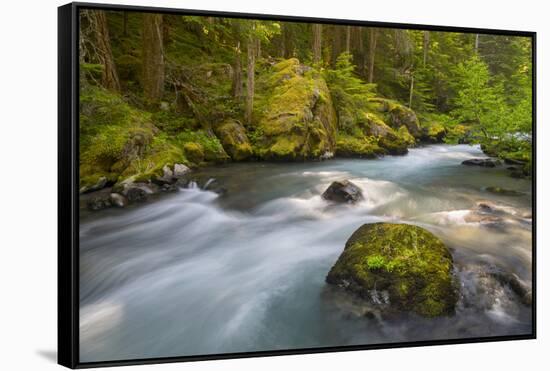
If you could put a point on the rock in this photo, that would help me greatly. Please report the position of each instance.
(399, 266)
(343, 191)
(166, 178)
(483, 162)
(503, 191)
(297, 120)
(99, 202)
(213, 185)
(234, 140)
(401, 115)
(349, 146)
(168, 188)
(194, 152)
(180, 170)
(433, 132)
(118, 200)
(137, 192)
(100, 184)
(518, 287)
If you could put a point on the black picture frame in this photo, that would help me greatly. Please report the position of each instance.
(68, 193)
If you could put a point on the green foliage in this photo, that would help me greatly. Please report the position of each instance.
(349, 93)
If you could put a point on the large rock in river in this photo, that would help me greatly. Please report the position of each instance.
(407, 266)
(343, 191)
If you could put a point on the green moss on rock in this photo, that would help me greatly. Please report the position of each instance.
(194, 152)
(362, 147)
(296, 117)
(400, 115)
(408, 262)
(234, 140)
(112, 135)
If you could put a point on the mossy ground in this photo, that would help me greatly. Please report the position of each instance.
(407, 261)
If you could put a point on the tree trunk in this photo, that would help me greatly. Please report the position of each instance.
(362, 55)
(109, 76)
(153, 57)
(251, 61)
(373, 37)
(336, 43)
(348, 38)
(317, 40)
(425, 47)
(411, 92)
(237, 73)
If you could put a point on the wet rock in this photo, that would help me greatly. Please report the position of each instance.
(99, 202)
(401, 266)
(100, 184)
(515, 284)
(213, 185)
(168, 188)
(483, 162)
(343, 191)
(138, 192)
(503, 191)
(118, 200)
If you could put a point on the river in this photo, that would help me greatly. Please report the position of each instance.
(196, 273)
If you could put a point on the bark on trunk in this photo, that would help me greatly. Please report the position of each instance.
(425, 47)
(411, 92)
(237, 73)
(317, 36)
(373, 37)
(109, 77)
(348, 38)
(251, 61)
(153, 57)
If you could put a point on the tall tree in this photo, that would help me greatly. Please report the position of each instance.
(109, 76)
(317, 42)
(251, 62)
(348, 38)
(425, 47)
(237, 87)
(373, 37)
(153, 57)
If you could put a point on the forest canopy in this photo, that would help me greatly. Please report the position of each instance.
(160, 89)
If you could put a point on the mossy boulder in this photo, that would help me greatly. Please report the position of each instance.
(194, 152)
(112, 135)
(361, 147)
(295, 115)
(400, 115)
(406, 137)
(406, 264)
(234, 140)
(433, 132)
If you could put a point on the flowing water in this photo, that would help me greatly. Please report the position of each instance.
(195, 273)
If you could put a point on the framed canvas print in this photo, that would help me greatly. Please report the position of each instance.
(237, 185)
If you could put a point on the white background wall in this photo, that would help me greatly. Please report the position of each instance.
(28, 156)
